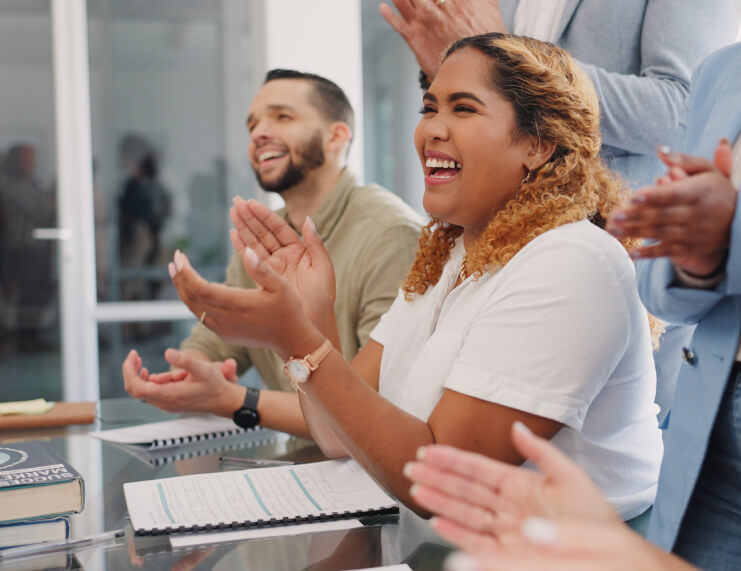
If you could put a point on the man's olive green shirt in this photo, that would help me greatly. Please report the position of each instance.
(372, 237)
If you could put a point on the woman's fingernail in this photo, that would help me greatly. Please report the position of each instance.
(521, 428)
(664, 150)
(459, 561)
(414, 490)
(171, 270)
(252, 258)
(620, 217)
(635, 254)
(178, 260)
(421, 453)
(638, 198)
(407, 471)
(540, 530)
(312, 225)
(674, 157)
(615, 231)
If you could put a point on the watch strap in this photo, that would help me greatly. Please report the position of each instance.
(315, 359)
(246, 416)
(251, 398)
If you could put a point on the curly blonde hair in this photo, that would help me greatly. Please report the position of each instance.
(553, 101)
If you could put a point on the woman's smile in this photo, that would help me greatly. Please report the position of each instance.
(440, 168)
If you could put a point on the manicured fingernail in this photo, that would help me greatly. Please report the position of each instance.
(664, 150)
(674, 157)
(252, 258)
(459, 561)
(636, 255)
(171, 270)
(414, 490)
(312, 225)
(421, 453)
(172, 355)
(521, 428)
(178, 260)
(619, 217)
(639, 198)
(407, 471)
(540, 530)
(615, 231)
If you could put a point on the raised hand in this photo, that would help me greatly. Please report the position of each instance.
(428, 27)
(689, 212)
(270, 315)
(227, 368)
(303, 264)
(572, 545)
(481, 503)
(195, 386)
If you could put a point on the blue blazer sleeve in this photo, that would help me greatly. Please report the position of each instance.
(644, 110)
(683, 306)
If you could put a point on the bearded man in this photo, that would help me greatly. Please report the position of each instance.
(301, 127)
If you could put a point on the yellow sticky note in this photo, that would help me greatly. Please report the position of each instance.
(35, 406)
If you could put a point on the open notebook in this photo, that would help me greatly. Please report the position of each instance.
(258, 497)
(162, 442)
(169, 433)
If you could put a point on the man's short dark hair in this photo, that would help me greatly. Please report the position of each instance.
(328, 98)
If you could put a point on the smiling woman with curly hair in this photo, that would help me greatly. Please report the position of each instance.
(553, 101)
(519, 307)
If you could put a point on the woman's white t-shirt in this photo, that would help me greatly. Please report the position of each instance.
(558, 332)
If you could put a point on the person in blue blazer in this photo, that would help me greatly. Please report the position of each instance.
(698, 507)
(640, 55)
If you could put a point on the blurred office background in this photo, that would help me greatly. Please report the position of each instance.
(122, 138)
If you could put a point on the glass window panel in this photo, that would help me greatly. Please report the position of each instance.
(30, 361)
(391, 98)
(157, 96)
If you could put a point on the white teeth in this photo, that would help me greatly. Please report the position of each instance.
(442, 164)
(270, 155)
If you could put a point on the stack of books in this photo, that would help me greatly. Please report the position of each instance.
(38, 490)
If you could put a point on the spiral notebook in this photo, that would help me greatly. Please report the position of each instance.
(172, 433)
(258, 497)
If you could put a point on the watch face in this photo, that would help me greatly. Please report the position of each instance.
(246, 418)
(298, 370)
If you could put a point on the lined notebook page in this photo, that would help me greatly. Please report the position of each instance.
(263, 496)
(173, 432)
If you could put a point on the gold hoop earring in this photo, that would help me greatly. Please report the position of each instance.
(526, 179)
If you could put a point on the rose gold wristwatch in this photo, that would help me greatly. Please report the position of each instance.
(299, 370)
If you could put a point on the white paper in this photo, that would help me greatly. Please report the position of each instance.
(170, 430)
(189, 540)
(305, 490)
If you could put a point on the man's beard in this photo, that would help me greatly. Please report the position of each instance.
(311, 156)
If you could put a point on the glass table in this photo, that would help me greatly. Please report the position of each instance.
(106, 467)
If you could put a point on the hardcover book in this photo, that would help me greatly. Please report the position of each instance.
(35, 482)
(33, 531)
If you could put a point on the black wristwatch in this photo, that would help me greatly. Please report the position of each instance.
(247, 416)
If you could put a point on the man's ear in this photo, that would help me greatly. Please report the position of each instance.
(540, 153)
(340, 136)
